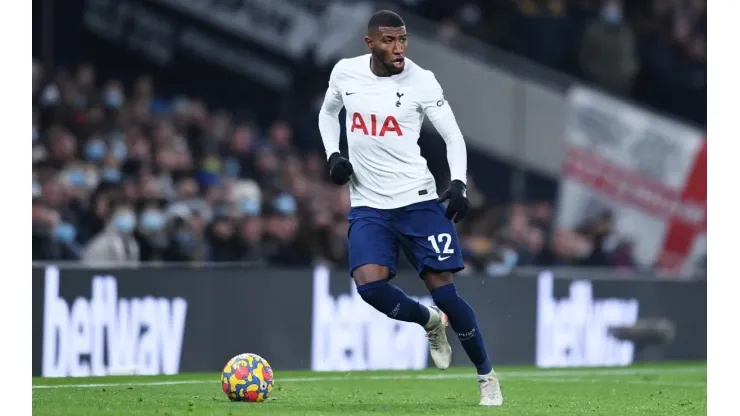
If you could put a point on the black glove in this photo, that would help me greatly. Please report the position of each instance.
(459, 204)
(339, 169)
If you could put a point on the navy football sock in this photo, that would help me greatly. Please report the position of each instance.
(391, 301)
(463, 322)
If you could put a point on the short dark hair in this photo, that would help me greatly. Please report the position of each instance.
(385, 18)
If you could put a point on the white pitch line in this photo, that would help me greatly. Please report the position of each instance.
(557, 376)
(672, 383)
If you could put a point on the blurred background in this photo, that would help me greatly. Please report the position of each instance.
(186, 131)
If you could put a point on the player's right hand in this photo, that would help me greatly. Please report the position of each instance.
(340, 169)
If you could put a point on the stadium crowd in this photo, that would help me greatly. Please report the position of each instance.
(653, 51)
(121, 175)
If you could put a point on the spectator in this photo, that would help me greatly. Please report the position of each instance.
(539, 31)
(282, 244)
(225, 244)
(623, 258)
(151, 234)
(115, 244)
(43, 220)
(608, 55)
(600, 233)
(186, 242)
(251, 232)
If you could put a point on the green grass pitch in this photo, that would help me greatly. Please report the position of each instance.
(655, 390)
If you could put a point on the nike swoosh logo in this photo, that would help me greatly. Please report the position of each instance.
(440, 258)
(350, 93)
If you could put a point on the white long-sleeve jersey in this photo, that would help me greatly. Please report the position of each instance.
(384, 119)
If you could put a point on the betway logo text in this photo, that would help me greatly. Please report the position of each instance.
(105, 334)
(574, 331)
(348, 334)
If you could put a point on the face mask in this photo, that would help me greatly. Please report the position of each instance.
(183, 237)
(124, 223)
(511, 258)
(152, 221)
(221, 211)
(285, 204)
(50, 95)
(613, 15)
(36, 190)
(81, 101)
(116, 137)
(38, 154)
(232, 168)
(195, 205)
(250, 207)
(65, 232)
(95, 150)
(113, 99)
(77, 178)
(111, 175)
(119, 151)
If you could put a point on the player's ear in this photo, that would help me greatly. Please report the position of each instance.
(369, 42)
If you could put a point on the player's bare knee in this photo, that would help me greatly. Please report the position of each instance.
(369, 273)
(434, 279)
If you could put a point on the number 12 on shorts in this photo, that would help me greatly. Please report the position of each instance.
(445, 239)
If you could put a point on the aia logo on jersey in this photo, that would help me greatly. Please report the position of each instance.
(389, 125)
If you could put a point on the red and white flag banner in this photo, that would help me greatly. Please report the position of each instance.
(648, 170)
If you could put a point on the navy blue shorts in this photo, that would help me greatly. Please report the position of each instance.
(426, 236)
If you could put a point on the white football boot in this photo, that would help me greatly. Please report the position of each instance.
(439, 347)
(490, 390)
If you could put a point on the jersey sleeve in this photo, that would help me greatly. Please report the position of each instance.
(329, 126)
(438, 110)
(433, 102)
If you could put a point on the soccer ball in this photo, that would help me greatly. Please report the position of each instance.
(247, 378)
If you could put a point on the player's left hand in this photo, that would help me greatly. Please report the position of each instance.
(458, 207)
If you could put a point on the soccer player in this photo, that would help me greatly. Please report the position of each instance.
(393, 194)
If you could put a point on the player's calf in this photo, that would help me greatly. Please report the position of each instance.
(390, 300)
(463, 322)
